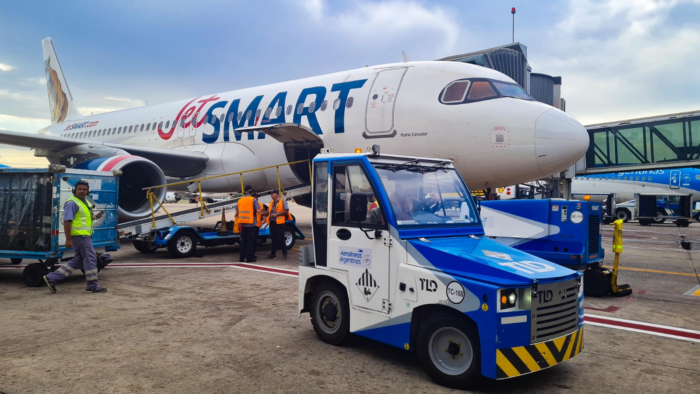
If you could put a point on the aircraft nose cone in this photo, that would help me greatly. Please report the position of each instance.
(560, 141)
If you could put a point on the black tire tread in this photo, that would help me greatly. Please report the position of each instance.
(342, 335)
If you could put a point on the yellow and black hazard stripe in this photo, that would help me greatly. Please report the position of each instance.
(532, 358)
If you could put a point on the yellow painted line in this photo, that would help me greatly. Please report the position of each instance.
(505, 365)
(696, 292)
(654, 271)
(526, 358)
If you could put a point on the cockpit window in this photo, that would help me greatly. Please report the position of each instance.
(464, 91)
(455, 92)
(481, 90)
(511, 90)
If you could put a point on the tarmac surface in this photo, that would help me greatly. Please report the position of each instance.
(209, 328)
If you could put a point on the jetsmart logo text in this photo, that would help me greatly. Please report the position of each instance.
(82, 125)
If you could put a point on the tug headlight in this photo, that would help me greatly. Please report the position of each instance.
(509, 299)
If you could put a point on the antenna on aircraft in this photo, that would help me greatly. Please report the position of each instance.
(405, 58)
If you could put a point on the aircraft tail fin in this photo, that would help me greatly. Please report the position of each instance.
(61, 101)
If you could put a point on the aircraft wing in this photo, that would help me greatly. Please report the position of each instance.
(176, 163)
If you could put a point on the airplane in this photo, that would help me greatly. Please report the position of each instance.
(626, 184)
(495, 133)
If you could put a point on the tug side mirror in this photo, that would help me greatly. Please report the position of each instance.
(358, 207)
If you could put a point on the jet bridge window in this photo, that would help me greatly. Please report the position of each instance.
(455, 92)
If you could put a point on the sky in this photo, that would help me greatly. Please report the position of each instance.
(617, 59)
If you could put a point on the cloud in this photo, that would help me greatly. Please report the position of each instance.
(20, 157)
(625, 59)
(22, 124)
(132, 102)
(387, 22)
(314, 8)
(5, 67)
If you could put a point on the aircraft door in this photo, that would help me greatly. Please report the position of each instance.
(379, 120)
(364, 257)
(675, 179)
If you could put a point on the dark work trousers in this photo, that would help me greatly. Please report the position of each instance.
(277, 235)
(248, 242)
(84, 258)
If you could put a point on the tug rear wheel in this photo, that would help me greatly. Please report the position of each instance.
(330, 313)
(449, 351)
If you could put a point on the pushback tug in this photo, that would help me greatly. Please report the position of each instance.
(417, 273)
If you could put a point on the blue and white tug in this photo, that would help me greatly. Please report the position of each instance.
(414, 270)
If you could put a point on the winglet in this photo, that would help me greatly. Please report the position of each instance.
(60, 98)
(405, 58)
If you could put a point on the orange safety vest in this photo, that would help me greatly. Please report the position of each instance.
(279, 207)
(258, 216)
(245, 208)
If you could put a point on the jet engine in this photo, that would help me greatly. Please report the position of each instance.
(137, 173)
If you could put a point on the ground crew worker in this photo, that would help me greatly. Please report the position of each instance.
(77, 224)
(373, 203)
(247, 209)
(276, 218)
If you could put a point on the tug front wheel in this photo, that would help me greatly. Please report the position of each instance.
(330, 313)
(449, 350)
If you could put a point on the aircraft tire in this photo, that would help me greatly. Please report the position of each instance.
(595, 284)
(449, 351)
(15, 260)
(183, 244)
(330, 312)
(624, 214)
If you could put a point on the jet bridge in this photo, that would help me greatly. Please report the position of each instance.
(652, 143)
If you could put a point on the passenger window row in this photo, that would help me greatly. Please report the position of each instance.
(206, 119)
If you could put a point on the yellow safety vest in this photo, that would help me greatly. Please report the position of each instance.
(82, 222)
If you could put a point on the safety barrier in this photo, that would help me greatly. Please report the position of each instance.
(151, 196)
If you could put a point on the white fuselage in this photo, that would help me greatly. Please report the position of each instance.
(492, 142)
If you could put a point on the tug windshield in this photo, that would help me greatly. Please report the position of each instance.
(427, 196)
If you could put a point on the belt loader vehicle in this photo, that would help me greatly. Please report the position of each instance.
(416, 272)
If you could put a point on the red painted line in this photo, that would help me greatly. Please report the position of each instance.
(610, 309)
(112, 163)
(266, 269)
(644, 327)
